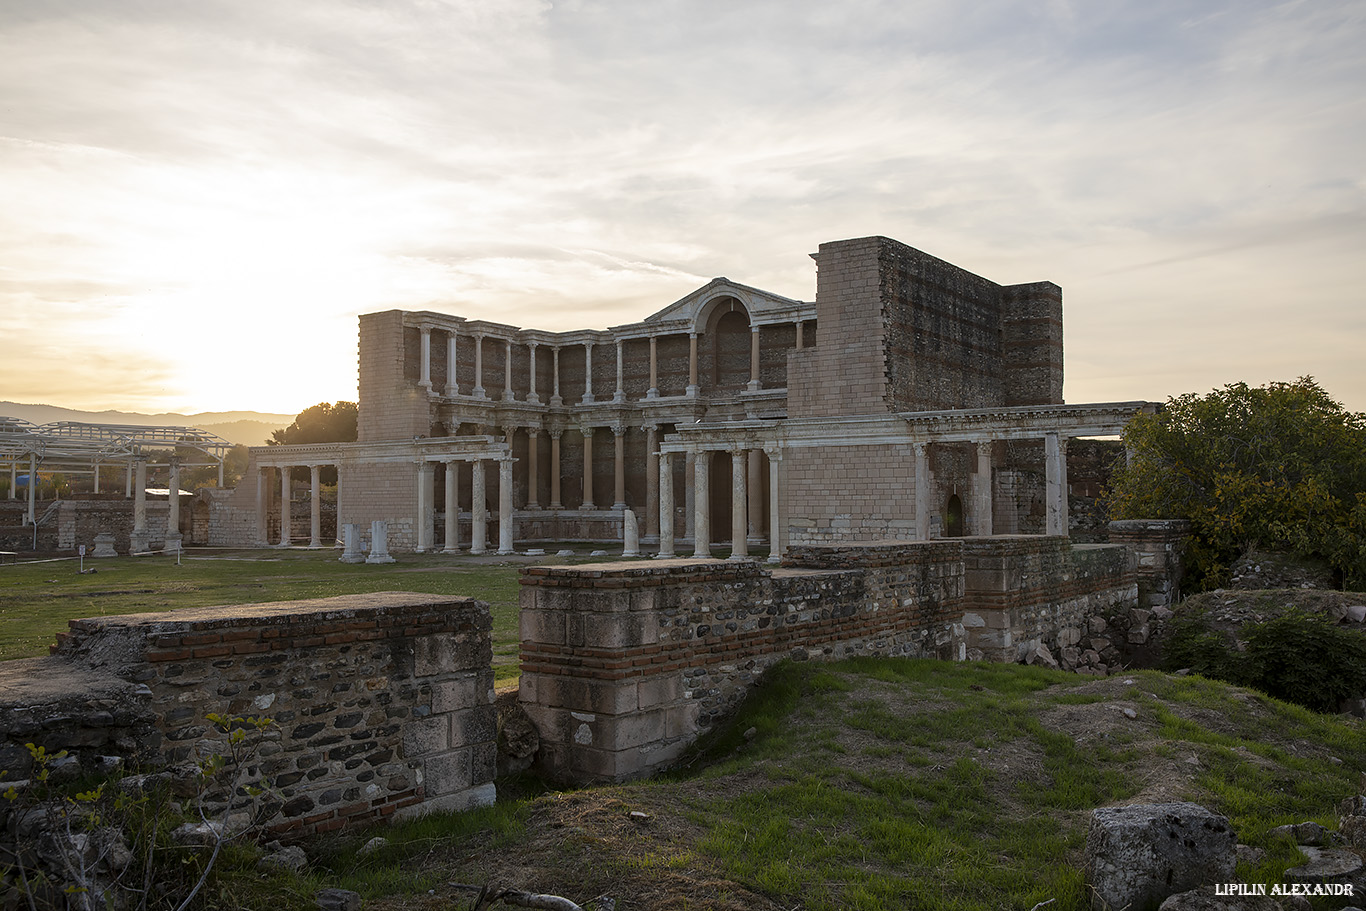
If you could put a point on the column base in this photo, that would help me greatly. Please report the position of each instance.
(664, 556)
(351, 558)
(478, 392)
(315, 544)
(619, 505)
(452, 391)
(691, 392)
(587, 399)
(139, 543)
(556, 401)
(753, 386)
(503, 553)
(382, 558)
(619, 398)
(477, 551)
(652, 393)
(532, 505)
(739, 557)
(533, 399)
(774, 558)
(556, 506)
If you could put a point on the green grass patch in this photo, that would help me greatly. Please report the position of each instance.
(37, 599)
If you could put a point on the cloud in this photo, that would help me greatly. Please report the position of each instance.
(271, 170)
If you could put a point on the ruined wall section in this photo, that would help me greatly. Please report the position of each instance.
(1031, 324)
(1025, 591)
(383, 703)
(623, 665)
(943, 327)
(392, 406)
(844, 374)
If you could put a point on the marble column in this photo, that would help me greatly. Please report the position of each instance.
(665, 517)
(701, 523)
(139, 499)
(651, 480)
(981, 488)
(13, 479)
(800, 325)
(1055, 470)
(173, 502)
(619, 466)
(692, 364)
(286, 529)
(478, 511)
(478, 391)
(508, 394)
(452, 544)
(533, 470)
(505, 506)
(755, 469)
(452, 378)
(425, 519)
(531, 397)
(689, 493)
(555, 469)
(555, 399)
(776, 536)
(587, 468)
(32, 517)
(619, 395)
(739, 502)
(97, 477)
(587, 374)
(128, 480)
(262, 507)
(653, 391)
(922, 491)
(425, 380)
(754, 385)
(315, 499)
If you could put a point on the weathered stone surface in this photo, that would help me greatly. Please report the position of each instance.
(338, 900)
(1204, 899)
(291, 859)
(1304, 833)
(1353, 831)
(1330, 866)
(1137, 856)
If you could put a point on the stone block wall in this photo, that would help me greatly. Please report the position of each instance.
(625, 664)
(1157, 546)
(383, 703)
(881, 508)
(1023, 591)
(392, 407)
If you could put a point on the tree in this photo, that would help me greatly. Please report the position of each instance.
(323, 423)
(1279, 467)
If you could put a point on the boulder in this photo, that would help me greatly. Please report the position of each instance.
(1304, 833)
(1140, 855)
(338, 900)
(1205, 899)
(1332, 867)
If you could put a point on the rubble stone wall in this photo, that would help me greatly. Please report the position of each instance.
(382, 703)
(625, 664)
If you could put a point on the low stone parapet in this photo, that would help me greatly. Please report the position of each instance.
(382, 704)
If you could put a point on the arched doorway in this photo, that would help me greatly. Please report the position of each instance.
(953, 517)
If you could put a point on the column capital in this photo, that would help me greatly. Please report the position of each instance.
(650, 428)
(585, 430)
(531, 344)
(774, 451)
(533, 431)
(555, 432)
(617, 428)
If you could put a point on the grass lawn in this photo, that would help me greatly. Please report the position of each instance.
(37, 599)
(878, 785)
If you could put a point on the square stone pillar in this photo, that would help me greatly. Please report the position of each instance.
(505, 506)
(922, 491)
(1055, 497)
(426, 483)
(981, 489)
(262, 507)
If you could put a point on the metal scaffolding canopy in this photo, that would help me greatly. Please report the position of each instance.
(75, 446)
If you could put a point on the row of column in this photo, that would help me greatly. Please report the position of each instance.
(1055, 490)
(286, 521)
(478, 508)
(533, 398)
(744, 500)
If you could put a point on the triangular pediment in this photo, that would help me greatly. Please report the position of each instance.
(763, 306)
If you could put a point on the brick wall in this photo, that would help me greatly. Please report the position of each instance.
(392, 407)
(881, 506)
(383, 702)
(624, 665)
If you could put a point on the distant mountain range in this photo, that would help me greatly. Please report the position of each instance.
(250, 428)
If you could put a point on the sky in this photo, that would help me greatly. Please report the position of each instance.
(198, 199)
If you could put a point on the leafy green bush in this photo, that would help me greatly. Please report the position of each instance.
(1298, 657)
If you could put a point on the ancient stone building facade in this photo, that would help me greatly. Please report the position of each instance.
(911, 400)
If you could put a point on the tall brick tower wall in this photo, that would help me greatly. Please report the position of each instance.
(392, 406)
